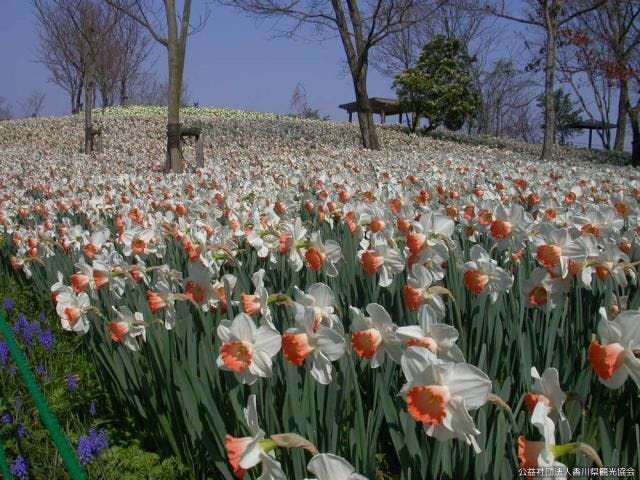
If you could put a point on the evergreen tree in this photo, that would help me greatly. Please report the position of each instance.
(439, 87)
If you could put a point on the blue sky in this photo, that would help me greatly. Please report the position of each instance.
(233, 62)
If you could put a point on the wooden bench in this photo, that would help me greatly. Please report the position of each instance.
(195, 132)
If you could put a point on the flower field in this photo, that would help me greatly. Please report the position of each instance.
(303, 308)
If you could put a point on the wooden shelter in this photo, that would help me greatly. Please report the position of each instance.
(590, 125)
(379, 105)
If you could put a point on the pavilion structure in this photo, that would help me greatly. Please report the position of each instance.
(590, 125)
(380, 106)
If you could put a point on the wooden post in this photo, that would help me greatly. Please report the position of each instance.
(196, 132)
(590, 135)
(400, 118)
(381, 116)
(199, 151)
(97, 140)
(350, 116)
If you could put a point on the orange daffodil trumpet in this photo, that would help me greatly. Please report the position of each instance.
(561, 253)
(108, 270)
(308, 339)
(483, 276)
(614, 358)
(509, 226)
(72, 309)
(258, 302)
(247, 350)
(162, 298)
(197, 286)
(428, 244)
(543, 291)
(439, 395)
(375, 336)
(545, 402)
(140, 241)
(321, 254)
(547, 398)
(246, 452)
(126, 327)
(293, 243)
(420, 291)
(378, 257)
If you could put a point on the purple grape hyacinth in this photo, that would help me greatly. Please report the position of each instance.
(8, 304)
(20, 468)
(90, 446)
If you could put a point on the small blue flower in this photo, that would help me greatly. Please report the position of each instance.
(98, 440)
(85, 453)
(21, 323)
(42, 317)
(45, 339)
(72, 382)
(8, 304)
(92, 409)
(41, 370)
(6, 418)
(21, 430)
(35, 327)
(90, 446)
(4, 353)
(20, 468)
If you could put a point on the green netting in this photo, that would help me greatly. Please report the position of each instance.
(67, 453)
(4, 467)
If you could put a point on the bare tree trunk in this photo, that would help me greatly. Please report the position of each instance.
(88, 107)
(104, 96)
(123, 92)
(365, 115)
(621, 124)
(549, 73)
(76, 105)
(176, 51)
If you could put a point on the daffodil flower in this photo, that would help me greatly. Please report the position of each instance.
(439, 395)
(247, 350)
(320, 343)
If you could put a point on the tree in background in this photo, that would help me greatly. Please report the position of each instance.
(81, 38)
(300, 104)
(565, 114)
(454, 19)
(506, 96)
(174, 38)
(595, 51)
(439, 87)
(361, 26)
(33, 103)
(615, 28)
(62, 50)
(134, 52)
(149, 89)
(580, 65)
(550, 16)
(118, 48)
